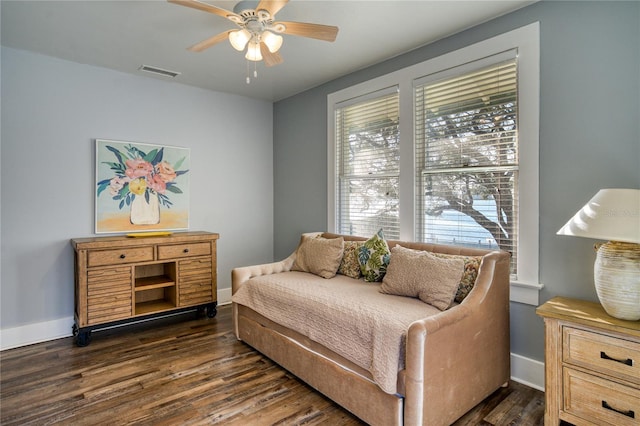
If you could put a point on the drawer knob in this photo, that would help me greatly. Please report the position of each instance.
(122, 256)
(627, 361)
(186, 250)
(629, 413)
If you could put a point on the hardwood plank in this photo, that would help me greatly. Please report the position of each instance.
(187, 371)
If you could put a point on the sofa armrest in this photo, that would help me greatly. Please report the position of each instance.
(243, 274)
(464, 348)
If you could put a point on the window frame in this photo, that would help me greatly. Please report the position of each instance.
(525, 286)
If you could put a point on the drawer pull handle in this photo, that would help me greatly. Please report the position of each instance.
(629, 413)
(186, 250)
(122, 256)
(627, 361)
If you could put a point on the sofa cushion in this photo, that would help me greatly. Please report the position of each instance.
(468, 280)
(417, 273)
(374, 257)
(349, 265)
(319, 256)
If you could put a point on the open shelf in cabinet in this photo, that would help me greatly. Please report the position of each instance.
(155, 288)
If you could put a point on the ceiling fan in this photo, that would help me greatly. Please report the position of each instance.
(259, 31)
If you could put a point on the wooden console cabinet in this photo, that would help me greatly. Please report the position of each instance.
(592, 365)
(120, 279)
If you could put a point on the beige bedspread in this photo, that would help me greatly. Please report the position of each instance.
(350, 317)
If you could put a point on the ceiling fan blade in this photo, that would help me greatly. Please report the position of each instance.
(303, 29)
(270, 59)
(205, 44)
(195, 4)
(271, 6)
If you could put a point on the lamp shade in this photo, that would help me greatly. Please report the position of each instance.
(253, 52)
(273, 42)
(239, 39)
(612, 214)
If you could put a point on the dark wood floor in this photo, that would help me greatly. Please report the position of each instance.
(186, 371)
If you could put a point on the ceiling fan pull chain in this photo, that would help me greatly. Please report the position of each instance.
(248, 79)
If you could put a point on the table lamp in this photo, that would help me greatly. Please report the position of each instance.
(614, 215)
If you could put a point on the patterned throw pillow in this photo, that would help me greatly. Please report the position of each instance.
(374, 257)
(350, 265)
(468, 280)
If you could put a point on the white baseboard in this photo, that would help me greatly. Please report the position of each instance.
(56, 329)
(35, 333)
(224, 296)
(527, 371)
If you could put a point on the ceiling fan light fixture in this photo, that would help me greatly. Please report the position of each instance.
(253, 52)
(273, 41)
(239, 39)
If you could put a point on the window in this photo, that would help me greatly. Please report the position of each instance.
(454, 160)
(368, 167)
(467, 156)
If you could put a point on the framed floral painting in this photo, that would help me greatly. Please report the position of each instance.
(141, 187)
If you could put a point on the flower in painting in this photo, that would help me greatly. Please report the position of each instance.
(165, 171)
(116, 184)
(138, 186)
(139, 173)
(158, 184)
(138, 168)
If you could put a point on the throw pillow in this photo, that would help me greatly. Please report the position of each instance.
(350, 265)
(374, 257)
(319, 256)
(468, 280)
(417, 273)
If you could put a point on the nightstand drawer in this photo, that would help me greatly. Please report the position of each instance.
(183, 250)
(612, 356)
(600, 401)
(120, 256)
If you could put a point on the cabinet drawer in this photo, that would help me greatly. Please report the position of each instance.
(600, 401)
(119, 256)
(183, 250)
(605, 354)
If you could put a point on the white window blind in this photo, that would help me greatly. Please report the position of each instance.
(368, 164)
(467, 156)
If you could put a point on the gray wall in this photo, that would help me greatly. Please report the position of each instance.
(589, 137)
(52, 110)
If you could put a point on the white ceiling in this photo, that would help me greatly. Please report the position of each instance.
(123, 35)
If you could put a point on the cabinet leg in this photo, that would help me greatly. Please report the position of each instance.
(83, 337)
(212, 311)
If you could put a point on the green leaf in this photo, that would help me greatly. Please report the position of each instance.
(174, 189)
(125, 190)
(179, 163)
(151, 156)
(102, 186)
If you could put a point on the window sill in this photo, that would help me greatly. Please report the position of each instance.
(526, 293)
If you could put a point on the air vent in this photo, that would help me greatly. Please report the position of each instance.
(159, 71)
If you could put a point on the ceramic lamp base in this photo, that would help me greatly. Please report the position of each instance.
(617, 279)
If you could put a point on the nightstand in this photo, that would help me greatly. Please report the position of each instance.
(592, 365)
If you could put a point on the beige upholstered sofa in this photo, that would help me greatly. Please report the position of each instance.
(447, 361)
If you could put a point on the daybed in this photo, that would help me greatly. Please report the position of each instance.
(423, 365)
